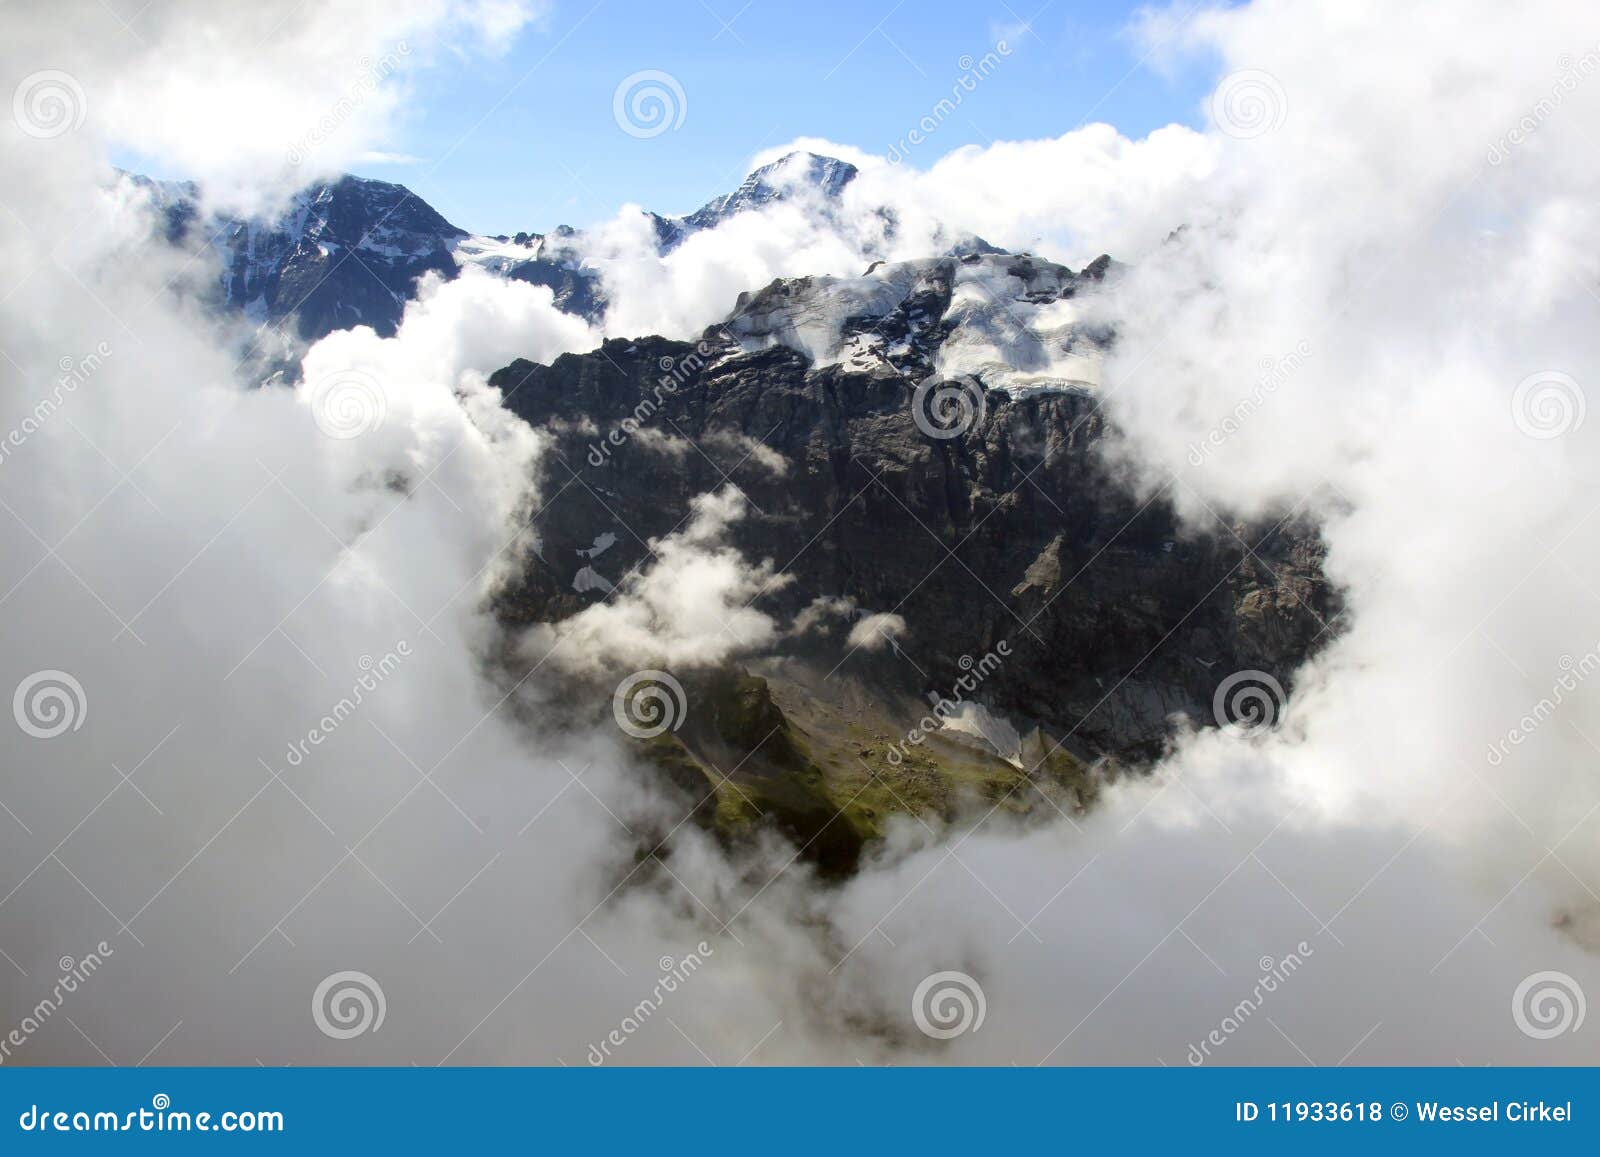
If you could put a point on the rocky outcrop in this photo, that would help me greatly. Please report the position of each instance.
(1011, 530)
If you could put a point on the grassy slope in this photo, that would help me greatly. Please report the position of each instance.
(819, 768)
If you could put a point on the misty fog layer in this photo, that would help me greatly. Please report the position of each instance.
(199, 570)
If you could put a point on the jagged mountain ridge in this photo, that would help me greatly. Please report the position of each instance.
(349, 251)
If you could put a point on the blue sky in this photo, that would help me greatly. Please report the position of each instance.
(528, 140)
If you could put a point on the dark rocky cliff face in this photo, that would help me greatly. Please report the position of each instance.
(1116, 619)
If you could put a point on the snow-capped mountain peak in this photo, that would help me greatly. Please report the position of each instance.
(789, 175)
(792, 175)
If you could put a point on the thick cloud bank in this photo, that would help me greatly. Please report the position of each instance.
(270, 771)
(252, 100)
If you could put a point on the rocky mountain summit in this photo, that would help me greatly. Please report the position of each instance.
(918, 450)
(344, 253)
